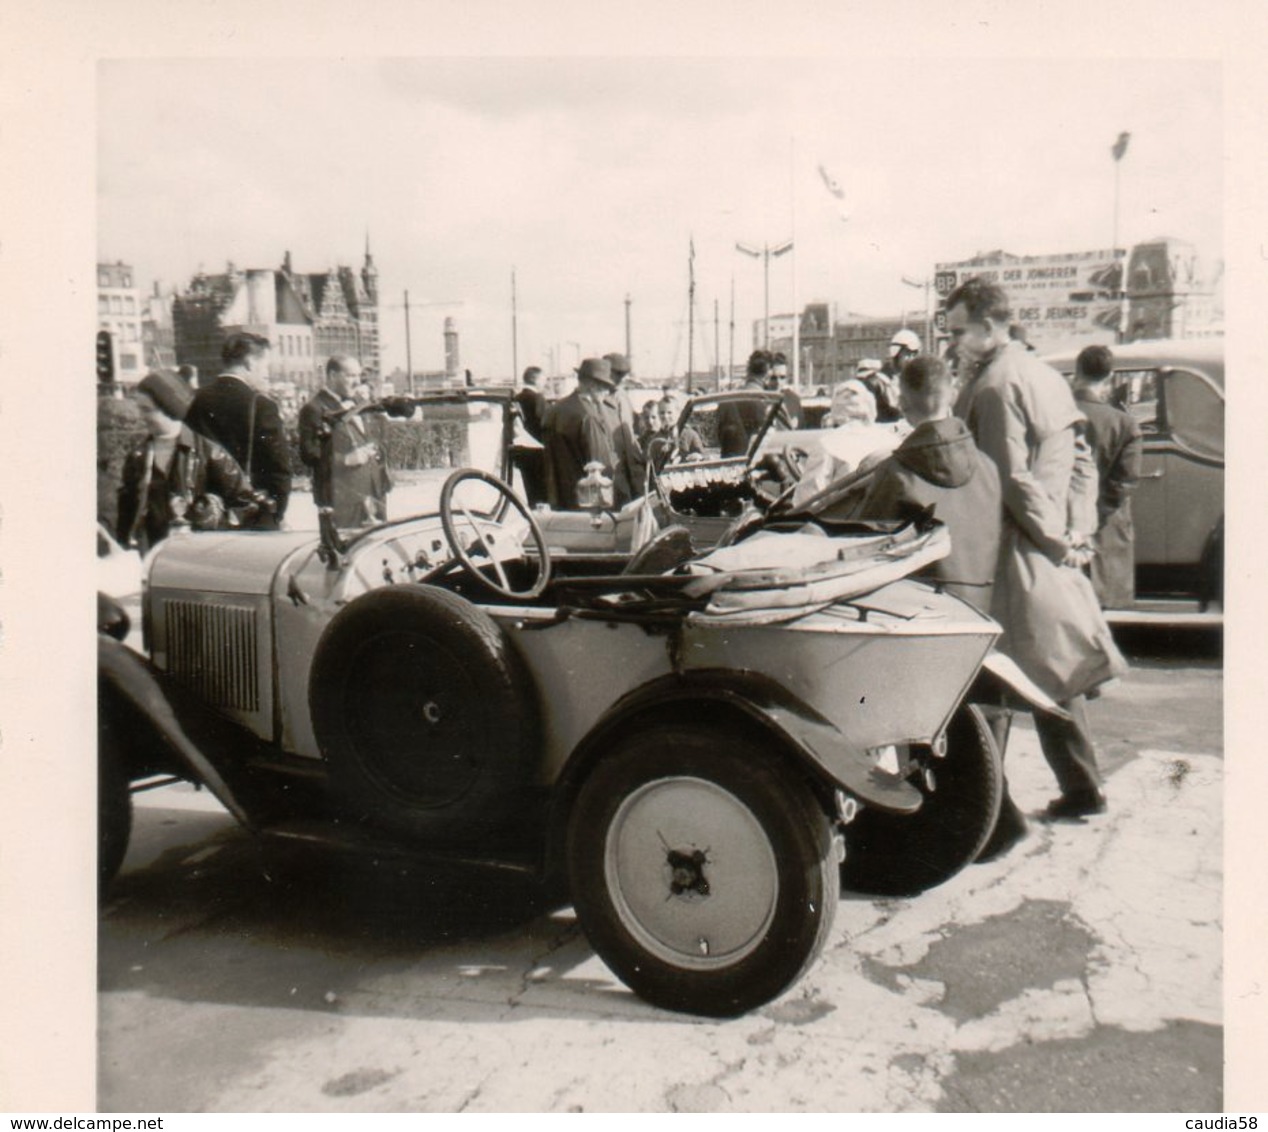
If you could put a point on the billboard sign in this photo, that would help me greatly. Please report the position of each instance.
(1058, 299)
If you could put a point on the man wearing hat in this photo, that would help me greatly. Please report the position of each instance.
(581, 429)
(903, 346)
(236, 413)
(175, 478)
(631, 470)
(1115, 439)
(884, 389)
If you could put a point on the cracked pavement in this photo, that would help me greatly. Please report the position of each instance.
(1091, 953)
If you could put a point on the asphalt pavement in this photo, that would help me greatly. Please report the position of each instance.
(1081, 972)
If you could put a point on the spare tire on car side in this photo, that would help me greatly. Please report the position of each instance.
(424, 714)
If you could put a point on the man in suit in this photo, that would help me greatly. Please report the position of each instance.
(739, 421)
(353, 480)
(527, 451)
(236, 412)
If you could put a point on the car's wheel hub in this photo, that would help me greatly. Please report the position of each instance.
(691, 873)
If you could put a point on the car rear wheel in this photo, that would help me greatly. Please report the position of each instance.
(896, 855)
(703, 873)
(424, 716)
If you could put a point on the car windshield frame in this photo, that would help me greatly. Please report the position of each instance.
(404, 408)
(773, 397)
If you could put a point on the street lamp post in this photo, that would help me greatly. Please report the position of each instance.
(927, 286)
(1118, 150)
(765, 254)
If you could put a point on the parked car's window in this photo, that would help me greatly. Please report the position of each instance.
(1195, 413)
(1136, 391)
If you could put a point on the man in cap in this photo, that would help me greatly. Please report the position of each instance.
(871, 372)
(581, 429)
(630, 476)
(236, 412)
(175, 478)
(1116, 444)
(903, 346)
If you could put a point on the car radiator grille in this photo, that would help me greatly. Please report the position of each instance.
(213, 649)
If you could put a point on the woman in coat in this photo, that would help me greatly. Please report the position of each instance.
(176, 479)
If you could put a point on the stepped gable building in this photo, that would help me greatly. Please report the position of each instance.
(306, 316)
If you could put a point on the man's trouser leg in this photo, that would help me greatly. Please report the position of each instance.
(1067, 745)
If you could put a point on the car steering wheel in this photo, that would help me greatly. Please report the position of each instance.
(463, 553)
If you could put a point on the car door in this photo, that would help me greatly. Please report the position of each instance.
(1190, 456)
(1137, 392)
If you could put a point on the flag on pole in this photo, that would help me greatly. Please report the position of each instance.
(834, 187)
(1120, 146)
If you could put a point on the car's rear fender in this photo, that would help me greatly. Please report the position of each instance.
(128, 688)
(731, 701)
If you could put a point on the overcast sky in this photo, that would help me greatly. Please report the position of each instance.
(589, 177)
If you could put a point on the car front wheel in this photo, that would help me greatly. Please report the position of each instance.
(114, 812)
(703, 873)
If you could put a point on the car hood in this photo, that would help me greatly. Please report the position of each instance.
(236, 562)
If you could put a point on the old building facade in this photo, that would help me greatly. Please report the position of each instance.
(307, 316)
(119, 312)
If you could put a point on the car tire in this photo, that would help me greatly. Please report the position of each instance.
(1211, 581)
(896, 855)
(703, 872)
(114, 812)
(424, 715)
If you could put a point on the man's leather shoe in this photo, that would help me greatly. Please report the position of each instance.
(1072, 807)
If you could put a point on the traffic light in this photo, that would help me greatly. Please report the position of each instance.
(105, 357)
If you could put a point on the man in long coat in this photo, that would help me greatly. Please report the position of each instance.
(1116, 443)
(237, 414)
(581, 429)
(1023, 416)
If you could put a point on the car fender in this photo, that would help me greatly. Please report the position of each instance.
(748, 696)
(124, 674)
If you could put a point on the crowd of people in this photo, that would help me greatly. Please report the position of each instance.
(1031, 474)
(216, 454)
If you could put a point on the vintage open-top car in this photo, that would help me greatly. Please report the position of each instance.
(703, 745)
